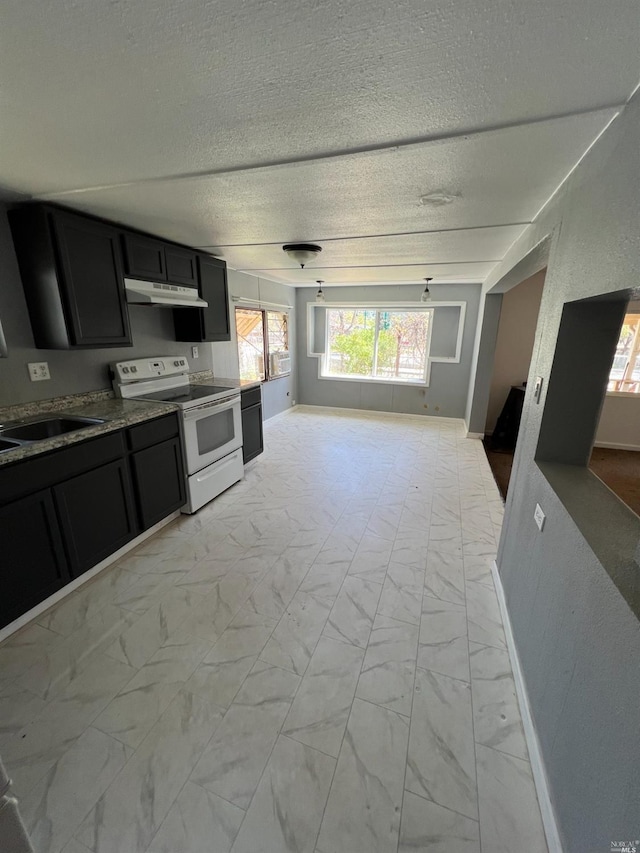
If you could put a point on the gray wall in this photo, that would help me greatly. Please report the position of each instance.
(72, 371)
(449, 382)
(278, 394)
(576, 631)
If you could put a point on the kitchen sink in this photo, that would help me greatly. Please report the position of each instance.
(8, 445)
(46, 428)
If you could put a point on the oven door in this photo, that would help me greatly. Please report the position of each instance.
(212, 431)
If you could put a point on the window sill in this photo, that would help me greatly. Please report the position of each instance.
(630, 394)
(376, 381)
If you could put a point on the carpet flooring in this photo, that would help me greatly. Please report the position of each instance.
(619, 469)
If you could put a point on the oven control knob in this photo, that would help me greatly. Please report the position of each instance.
(134, 369)
(125, 369)
(176, 364)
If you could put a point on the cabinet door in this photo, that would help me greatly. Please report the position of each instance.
(144, 257)
(96, 514)
(213, 289)
(181, 266)
(91, 281)
(33, 560)
(158, 478)
(252, 441)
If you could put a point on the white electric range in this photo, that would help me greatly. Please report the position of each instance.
(210, 418)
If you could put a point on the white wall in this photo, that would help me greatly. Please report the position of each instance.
(514, 345)
(278, 394)
(619, 425)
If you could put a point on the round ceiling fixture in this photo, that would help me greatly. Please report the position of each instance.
(438, 199)
(302, 253)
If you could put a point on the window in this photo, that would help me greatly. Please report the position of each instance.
(263, 343)
(381, 345)
(625, 370)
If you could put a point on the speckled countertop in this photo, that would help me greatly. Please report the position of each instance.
(116, 413)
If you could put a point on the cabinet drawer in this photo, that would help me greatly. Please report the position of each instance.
(153, 432)
(30, 476)
(250, 397)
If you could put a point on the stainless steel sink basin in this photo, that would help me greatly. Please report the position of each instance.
(8, 445)
(46, 428)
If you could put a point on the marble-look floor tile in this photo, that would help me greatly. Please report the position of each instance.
(363, 810)
(389, 665)
(443, 645)
(147, 590)
(383, 521)
(294, 639)
(509, 812)
(325, 579)
(25, 648)
(441, 758)
(75, 847)
(286, 810)
(372, 558)
(34, 750)
(55, 807)
(130, 812)
(273, 594)
(235, 758)
(18, 708)
(63, 661)
(429, 828)
(444, 577)
(402, 593)
(214, 612)
(352, 614)
(135, 709)
(198, 821)
(483, 616)
(320, 710)
(496, 714)
(222, 672)
(410, 548)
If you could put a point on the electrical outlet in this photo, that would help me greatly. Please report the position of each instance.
(38, 371)
(537, 389)
(194, 352)
(539, 517)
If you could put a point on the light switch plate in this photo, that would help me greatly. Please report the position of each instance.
(38, 371)
(537, 389)
(539, 517)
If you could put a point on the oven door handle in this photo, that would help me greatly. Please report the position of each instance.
(211, 408)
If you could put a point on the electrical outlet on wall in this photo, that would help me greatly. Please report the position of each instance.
(194, 352)
(38, 371)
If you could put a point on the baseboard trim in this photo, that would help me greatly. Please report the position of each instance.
(278, 415)
(313, 408)
(479, 435)
(611, 445)
(535, 754)
(45, 605)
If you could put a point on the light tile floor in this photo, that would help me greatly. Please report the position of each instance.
(314, 662)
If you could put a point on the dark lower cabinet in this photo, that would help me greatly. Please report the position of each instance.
(158, 480)
(96, 514)
(252, 437)
(32, 558)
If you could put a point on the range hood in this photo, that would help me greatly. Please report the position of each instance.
(154, 293)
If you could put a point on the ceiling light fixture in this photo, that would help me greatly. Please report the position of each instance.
(302, 253)
(320, 294)
(438, 199)
(426, 295)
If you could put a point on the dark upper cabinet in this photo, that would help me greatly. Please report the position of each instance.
(182, 266)
(151, 259)
(72, 273)
(96, 514)
(211, 323)
(252, 436)
(34, 564)
(144, 257)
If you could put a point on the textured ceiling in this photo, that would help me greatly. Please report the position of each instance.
(240, 125)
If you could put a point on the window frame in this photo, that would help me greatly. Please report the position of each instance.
(379, 308)
(636, 394)
(265, 338)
